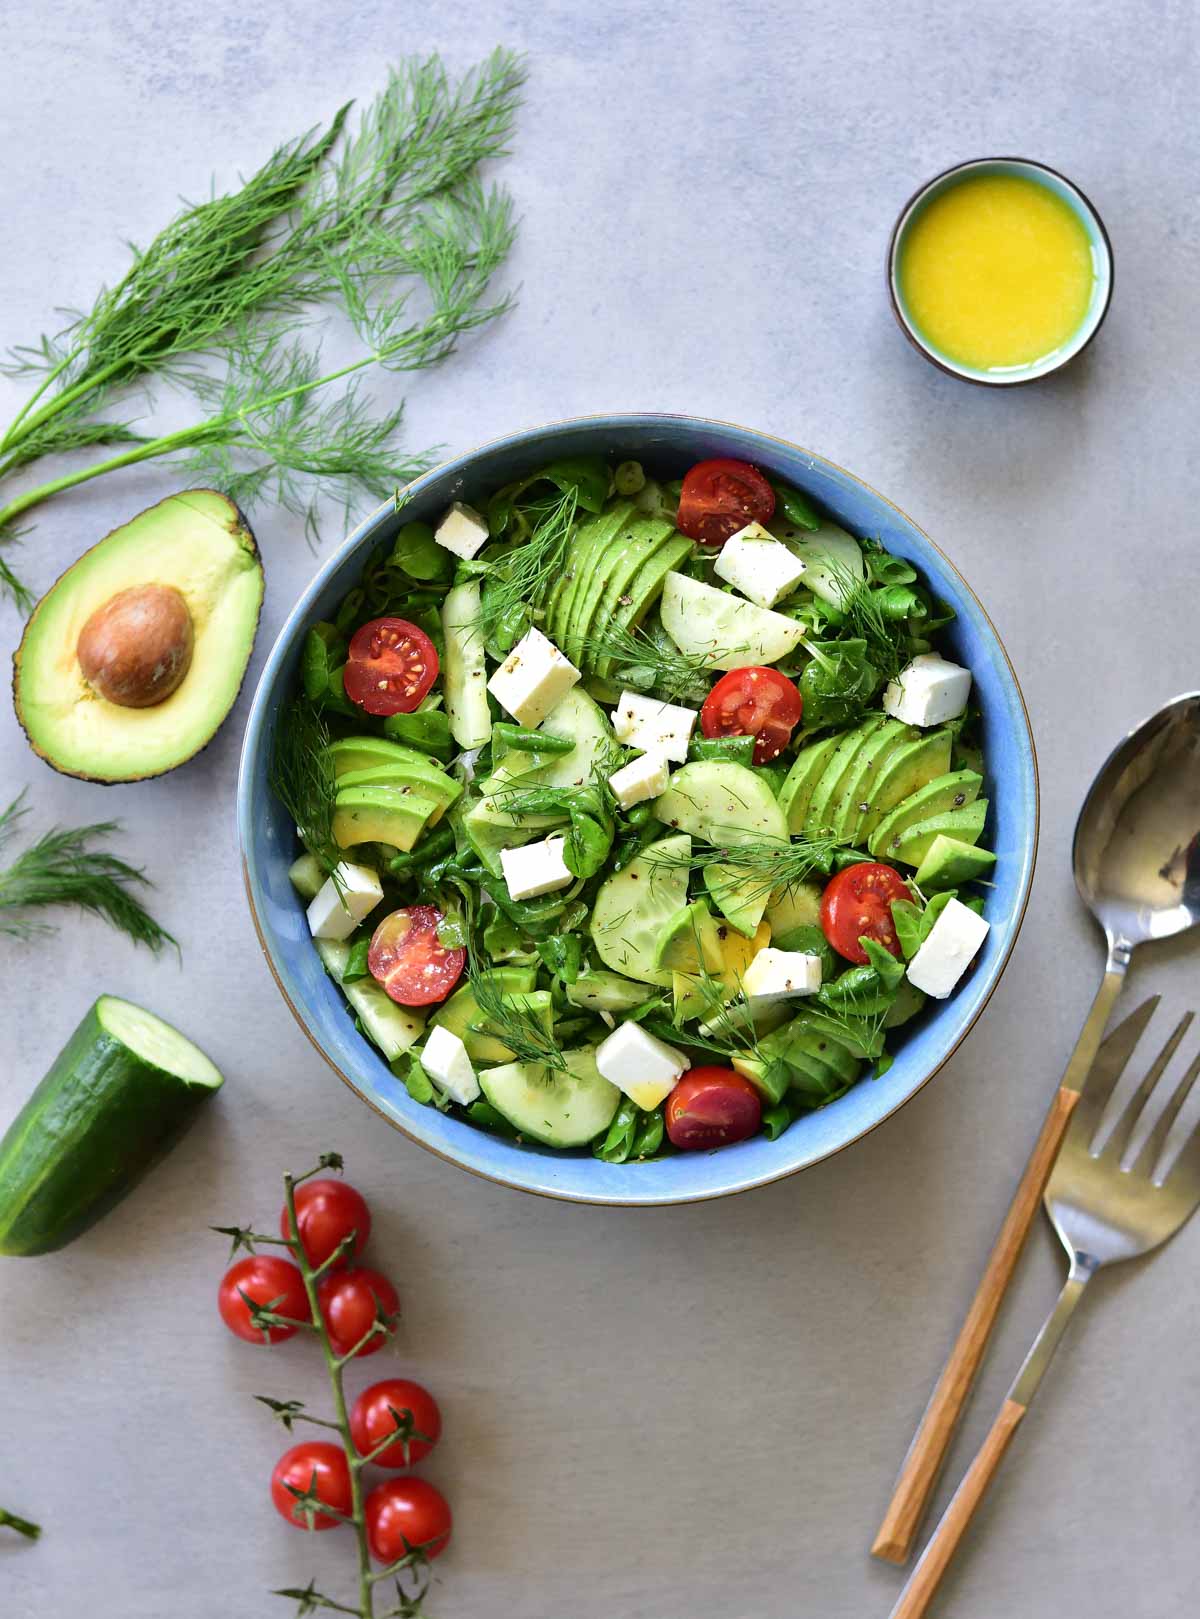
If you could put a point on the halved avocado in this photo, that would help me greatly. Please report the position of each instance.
(166, 607)
(943, 793)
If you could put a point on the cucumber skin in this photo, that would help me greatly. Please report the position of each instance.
(95, 1126)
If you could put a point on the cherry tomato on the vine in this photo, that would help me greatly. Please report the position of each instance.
(403, 1513)
(267, 1280)
(372, 1420)
(327, 1211)
(313, 1465)
(721, 496)
(407, 959)
(390, 666)
(350, 1300)
(857, 903)
(755, 702)
(712, 1107)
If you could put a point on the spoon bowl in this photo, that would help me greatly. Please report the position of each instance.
(1137, 840)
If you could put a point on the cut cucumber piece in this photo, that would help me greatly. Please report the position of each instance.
(391, 1027)
(306, 876)
(832, 558)
(600, 991)
(464, 674)
(725, 804)
(726, 631)
(117, 1097)
(565, 1108)
(633, 904)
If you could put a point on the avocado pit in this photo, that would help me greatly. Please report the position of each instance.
(137, 648)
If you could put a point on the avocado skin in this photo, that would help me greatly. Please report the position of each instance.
(240, 526)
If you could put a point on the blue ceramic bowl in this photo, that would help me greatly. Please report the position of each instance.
(667, 445)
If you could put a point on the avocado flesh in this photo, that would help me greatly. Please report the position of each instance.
(796, 793)
(949, 862)
(853, 799)
(905, 772)
(358, 755)
(434, 784)
(515, 986)
(380, 815)
(196, 541)
(819, 822)
(943, 793)
(614, 568)
(965, 824)
(591, 542)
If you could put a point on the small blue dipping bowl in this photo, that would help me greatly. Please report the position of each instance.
(667, 446)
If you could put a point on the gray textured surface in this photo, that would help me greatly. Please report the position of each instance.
(693, 1413)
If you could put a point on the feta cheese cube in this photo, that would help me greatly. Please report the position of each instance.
(535, 868)
(462, 530)
(949, 950)
(330, 916)
(777, 975)
(645, 1068)
(532, 679)
(757, 564)
(928, 691)
(446, 1062)
(640, 779)
(661, 728)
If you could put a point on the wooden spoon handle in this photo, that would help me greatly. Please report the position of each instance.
(935, 1559)
(927, 1453)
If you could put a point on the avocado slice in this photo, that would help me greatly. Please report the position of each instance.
(853, 798)
(434, 784)
(826, 796)
(908, 769)
(950, 862)
(647, 584)
(688, 941)
(194, 549)
(797, 906)
(965, 824)
(796, 793)
(590, 543)
(380, 815)
(354, 754)
(609, 577)
(943, 793)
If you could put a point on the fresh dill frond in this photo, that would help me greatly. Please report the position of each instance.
(63, 868)
(520, 579)
(302, 778)
(384, 220)
(863, 619)
(755, 868)
(647, 663)
(519, 1029)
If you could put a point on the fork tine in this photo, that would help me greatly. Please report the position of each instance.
(1106, 1070)
(1147, 1158)
(1124, 1127)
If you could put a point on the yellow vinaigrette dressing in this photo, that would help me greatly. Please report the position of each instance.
(996, 272)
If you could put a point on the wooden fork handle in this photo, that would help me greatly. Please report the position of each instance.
(927, 1453)
(935, 1559)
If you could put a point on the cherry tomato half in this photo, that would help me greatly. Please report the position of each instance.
(390, 666)
(407, 959)
(858, 902)
(326, 1213)
(266, 1280)
(350, 1301)
(372, 1420)
(712, 1107)
(719, 497)
(314, 1465)
(402, 1513)
(756, 702)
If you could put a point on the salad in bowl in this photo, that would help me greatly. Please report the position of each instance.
(639, 808)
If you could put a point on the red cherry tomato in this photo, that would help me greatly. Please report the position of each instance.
(755, 702)
(858, 902)
(350, 1300)
(266, 1280)
(719, 497)
(390, 666)
(403, 1513)
(371, 1421)
(314, 1465)
(326, 1213)
(712, 1107)
(407, 959)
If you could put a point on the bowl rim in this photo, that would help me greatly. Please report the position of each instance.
(1086, 207)
(353, 541)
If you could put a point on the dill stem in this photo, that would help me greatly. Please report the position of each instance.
(60, 402)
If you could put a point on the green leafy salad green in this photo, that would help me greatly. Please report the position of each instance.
(636, 814)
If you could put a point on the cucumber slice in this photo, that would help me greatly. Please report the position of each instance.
(725, 804)
(115, 1100)
(559, 1109)
(633, 904)
(832, 558)
(306, 876)
(391, 1027)
(600, 991)
(724, 630)
(464, 674)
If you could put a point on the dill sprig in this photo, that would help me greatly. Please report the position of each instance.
(524, 1035)
(645, 662)
(760, 867)
(302, 778)
(520, 579)
(385, 221)
(864, 619)
(63, 868)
